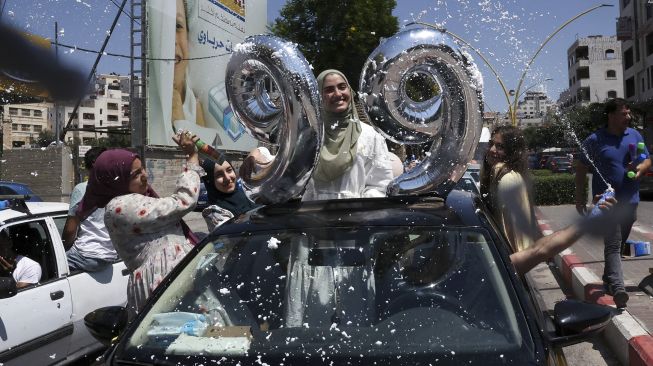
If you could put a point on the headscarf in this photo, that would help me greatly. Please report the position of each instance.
(341, 131)
(109, 179)
(236, 202)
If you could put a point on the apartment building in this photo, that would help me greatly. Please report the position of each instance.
(22, 123)
(594, 65)
(105, 108)
(635, 31)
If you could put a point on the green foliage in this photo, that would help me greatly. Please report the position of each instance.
(583, 120)
(45, 138)
(336, 34)
(541, 172)
(554, 189)
(114, 140)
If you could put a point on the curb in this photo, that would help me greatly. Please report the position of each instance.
(632, 344)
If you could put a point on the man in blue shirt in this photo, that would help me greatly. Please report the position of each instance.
(608, 156)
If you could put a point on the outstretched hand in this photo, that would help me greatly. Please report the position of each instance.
(186, 141)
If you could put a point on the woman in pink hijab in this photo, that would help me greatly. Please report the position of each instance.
(146, 230)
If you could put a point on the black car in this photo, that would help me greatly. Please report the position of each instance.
(412, 280)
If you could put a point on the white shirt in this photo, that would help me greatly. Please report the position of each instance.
(27, 270)
(368, 176)
(93, 239)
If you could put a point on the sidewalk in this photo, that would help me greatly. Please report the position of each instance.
(581, 267)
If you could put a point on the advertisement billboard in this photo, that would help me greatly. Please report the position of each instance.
(189, 46)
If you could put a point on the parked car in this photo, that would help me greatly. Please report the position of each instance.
(409, 280)
(646, 183)
(468, 184)
(559, 164)
(202, 199)
(11, 188)
(42, 324)
(543, 161)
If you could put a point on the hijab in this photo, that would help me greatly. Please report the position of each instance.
(236, 202)
(341, 132)
(109, 179)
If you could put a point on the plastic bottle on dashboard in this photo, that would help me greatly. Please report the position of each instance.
(596, 211)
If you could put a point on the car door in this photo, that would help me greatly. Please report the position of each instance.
(91, 291)
(35, 324)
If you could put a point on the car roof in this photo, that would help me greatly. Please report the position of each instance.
(459, 209)
(35, 209)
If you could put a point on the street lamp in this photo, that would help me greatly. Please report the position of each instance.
(512, 104)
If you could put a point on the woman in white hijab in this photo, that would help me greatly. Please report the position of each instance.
(354, 159)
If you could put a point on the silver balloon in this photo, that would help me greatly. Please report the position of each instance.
(417, 87)
(273, 92)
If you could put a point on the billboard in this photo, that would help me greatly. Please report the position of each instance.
(189, 45)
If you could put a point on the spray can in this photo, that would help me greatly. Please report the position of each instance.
(637, 155)
(208, 150)
(596, 211)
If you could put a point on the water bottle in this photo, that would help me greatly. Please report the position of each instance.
(596, 211)
(175, 323)
(209, 151)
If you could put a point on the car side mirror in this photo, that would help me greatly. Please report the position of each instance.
(576, 321)
(7, 287)
(106, 324)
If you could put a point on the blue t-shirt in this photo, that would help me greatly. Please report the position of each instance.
(611, 156)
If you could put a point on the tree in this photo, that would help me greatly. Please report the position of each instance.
(336, 34)
(45, 138)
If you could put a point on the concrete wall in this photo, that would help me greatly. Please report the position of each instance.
(48, 171)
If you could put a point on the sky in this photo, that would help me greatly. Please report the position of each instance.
(507, 32)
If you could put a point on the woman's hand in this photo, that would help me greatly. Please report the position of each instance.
(186, 141)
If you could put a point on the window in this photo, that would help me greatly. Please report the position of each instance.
(649, 44)
(609, 54)
(100, 123)
(24, 127)
(88, 116)
(612, 94)
(38, 128)
(38, 113)
(74, 116)
(649, 11)
(112, 118)
(628, 59)
(13, 111)
(31, 239)
(100, 111)
(630, 87)
(625, 3)
(14, 127)
(112, 106)
(25, 112)
(611, 74)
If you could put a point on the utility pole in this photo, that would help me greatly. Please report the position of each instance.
(57, 126)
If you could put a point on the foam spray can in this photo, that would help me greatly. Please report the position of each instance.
(596, 211)
(637, 155)
(209, 151)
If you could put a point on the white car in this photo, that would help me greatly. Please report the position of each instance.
(44, 323)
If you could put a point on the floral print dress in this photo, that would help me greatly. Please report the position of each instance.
(148, 236)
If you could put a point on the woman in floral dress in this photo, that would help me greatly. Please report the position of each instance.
(146, 230)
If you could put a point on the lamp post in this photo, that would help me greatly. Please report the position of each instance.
(512, 104)
(517, 97)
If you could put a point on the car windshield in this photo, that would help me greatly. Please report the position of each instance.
(339, 295)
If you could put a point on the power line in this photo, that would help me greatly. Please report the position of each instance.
(124, 12)
(139, 57)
